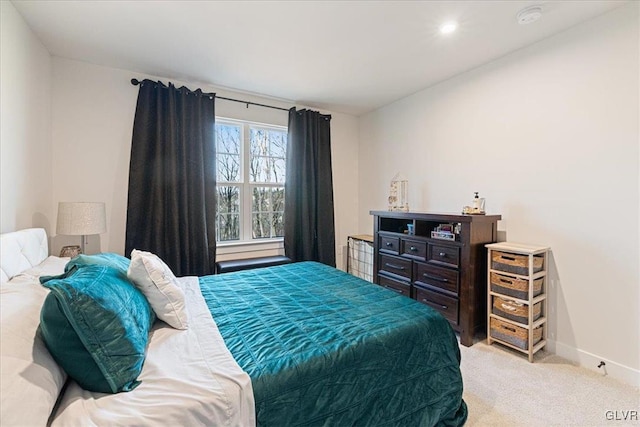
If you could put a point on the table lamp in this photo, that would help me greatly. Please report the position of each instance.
(80, 219)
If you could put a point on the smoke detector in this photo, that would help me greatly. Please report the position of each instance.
(529, 14)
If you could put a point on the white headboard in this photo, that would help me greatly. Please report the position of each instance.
(21, 250)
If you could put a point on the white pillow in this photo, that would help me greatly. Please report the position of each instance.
(158, 283)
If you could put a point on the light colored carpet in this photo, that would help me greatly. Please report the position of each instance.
(502, 388)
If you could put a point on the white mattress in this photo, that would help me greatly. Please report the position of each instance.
(189, 378)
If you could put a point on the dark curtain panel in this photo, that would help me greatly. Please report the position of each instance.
(309, 231)
(172, 190)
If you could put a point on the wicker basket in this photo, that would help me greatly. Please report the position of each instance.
(514, 310)
(514, 263)
(514, 335)
(514, 287)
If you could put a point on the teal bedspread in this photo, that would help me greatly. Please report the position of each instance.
(325, 348)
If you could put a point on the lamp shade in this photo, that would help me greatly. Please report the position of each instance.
(81, 218)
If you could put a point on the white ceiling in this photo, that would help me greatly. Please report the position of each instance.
(345, 56)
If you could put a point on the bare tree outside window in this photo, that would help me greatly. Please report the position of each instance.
(267, 166)
(250, 181)
(228, 164)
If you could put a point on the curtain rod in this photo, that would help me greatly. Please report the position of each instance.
(251, 103)
(136, 82)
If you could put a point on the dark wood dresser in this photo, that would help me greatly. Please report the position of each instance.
(446, 273)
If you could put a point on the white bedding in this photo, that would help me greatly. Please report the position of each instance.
(189, 378)
(30, 380)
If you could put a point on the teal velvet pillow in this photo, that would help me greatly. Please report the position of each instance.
(107, 258)
(96, 325)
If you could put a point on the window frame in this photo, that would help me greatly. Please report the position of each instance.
(246, 187)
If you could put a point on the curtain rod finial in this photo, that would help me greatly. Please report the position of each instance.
(135, 82)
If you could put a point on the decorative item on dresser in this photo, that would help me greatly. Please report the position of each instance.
(517, 296)
(399, 193)
(444, 270)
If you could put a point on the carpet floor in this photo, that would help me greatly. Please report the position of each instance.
(502, 388)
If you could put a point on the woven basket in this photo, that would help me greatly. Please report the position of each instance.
(514, 263)
(514, 310)
(513, 334)
(514, 287)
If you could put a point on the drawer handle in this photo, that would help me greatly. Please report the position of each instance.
(443, 254)
(440, 279)
(397, 267)
(392, 289)
(511, 306)
(508, 328)
(413, 249)
(389, 244)
(508, 258)
(444, 307)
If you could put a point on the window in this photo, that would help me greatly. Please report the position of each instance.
(250, 176)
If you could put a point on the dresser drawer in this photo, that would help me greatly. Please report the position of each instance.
(448, 306)
(438, 277)
(395, 285)
(390, 245)
(414, 249)
(443, 254)
(395, 265)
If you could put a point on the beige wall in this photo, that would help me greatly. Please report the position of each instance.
(549, 135)
(25, 117)
(93, 110)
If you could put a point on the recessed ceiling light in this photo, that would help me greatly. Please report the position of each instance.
(529, 14)
(448, 27)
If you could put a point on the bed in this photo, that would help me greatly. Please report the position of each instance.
(297, 344)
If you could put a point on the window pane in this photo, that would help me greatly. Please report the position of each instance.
(258, 169)
(268, 151)
(228, 149)
(227, 168)
(278, 224)
(261, 226)
(278, 171)
(259, 142)
(261, 199)
(278, 143)
(277, 199)
(228, 228)
(267, 212)
(228, 213)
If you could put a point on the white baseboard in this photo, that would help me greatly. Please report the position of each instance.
(591, 361)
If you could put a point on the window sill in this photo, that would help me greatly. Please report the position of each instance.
(227, 248)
